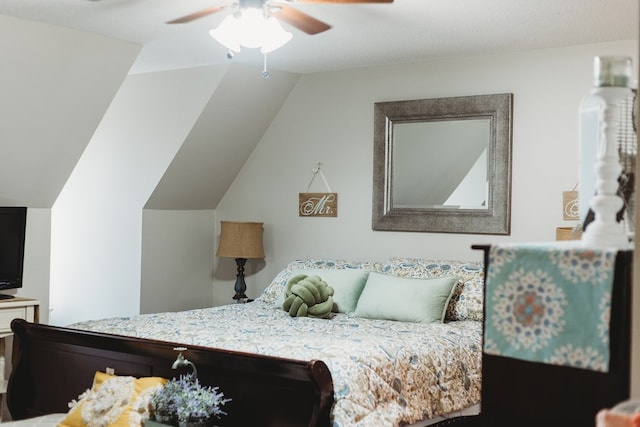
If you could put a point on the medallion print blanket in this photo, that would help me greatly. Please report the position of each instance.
(550, 303)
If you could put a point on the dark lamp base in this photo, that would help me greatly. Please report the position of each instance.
(240, 286)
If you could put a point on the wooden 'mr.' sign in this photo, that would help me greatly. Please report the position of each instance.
(318, 204)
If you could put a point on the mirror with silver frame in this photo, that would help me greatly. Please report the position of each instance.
(443, 165)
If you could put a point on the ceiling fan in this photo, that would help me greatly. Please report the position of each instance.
(279, 10)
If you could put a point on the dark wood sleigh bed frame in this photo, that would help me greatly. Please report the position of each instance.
(53, 365)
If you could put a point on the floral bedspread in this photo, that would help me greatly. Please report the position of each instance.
(385, 373)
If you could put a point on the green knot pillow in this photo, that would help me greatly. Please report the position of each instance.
(308, 296)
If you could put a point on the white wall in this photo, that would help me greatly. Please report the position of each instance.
(177, 260)
(97, 219)
(35, 283)
(329, 117)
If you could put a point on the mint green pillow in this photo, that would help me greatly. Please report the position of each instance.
(347, 285)
(405, 299)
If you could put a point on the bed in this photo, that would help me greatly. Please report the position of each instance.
(352, 369)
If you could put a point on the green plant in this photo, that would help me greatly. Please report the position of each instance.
(185, 401)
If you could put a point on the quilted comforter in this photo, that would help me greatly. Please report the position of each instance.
(385, 373)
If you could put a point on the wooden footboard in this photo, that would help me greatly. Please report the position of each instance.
(53, 365)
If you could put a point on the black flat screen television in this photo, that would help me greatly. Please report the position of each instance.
(13, 221)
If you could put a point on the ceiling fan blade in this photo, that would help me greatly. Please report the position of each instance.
(342, 1)
(197, 15)
(300, 20)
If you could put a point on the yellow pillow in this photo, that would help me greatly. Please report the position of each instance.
(114, 401)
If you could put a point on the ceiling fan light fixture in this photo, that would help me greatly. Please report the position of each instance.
(274, 36)
(227, 33)
(250, 28)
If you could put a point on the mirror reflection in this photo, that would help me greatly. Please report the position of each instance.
(458, 180)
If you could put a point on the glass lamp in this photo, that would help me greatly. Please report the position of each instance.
(240, 240)
(251, 29)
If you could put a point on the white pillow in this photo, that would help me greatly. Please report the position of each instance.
(405, 299)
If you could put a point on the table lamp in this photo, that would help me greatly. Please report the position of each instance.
(240, 240)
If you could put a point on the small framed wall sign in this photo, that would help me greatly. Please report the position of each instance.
(318, 204)
(570, 206)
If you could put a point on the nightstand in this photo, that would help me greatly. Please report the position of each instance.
(534, 393)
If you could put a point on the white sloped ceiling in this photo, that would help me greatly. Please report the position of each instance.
(56, 86)
(228, 129)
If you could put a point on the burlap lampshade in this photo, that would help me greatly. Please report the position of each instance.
(240, 240)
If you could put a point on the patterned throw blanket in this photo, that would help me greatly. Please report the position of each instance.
(550, 303)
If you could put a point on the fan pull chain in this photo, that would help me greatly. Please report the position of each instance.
(265, 73)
